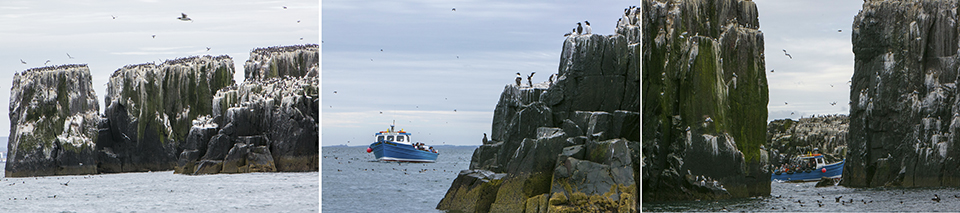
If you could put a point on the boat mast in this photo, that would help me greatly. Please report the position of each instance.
(391, 125)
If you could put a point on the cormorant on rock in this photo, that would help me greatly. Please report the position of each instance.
(579, 29)
(484, 138)
(519, 77)
(183, 17)
(587, 30)
(530, 78)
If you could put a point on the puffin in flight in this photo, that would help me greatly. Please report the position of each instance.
(183, 17)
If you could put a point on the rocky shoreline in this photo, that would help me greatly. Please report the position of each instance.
(160, 116)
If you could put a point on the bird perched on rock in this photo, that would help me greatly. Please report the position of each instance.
(551, 78)
(587, 30)
(183, 17)
(579, 29)
(519, 77)
(530, 78)
(787, 54)
(484, 138)
(936, 198)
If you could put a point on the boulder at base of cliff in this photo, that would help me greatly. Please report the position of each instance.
(472, 191)
(825, 182)
(54, 122)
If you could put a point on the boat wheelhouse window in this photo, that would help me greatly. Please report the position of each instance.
(380, 138)
(390, 138)
(400, 138)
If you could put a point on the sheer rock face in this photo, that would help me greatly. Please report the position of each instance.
(904, 117)
(150, 108)
(705, 100)
(273, 62)
(267, 123)
(53, 117)
(576, 137)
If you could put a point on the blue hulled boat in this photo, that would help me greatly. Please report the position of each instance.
(393, 145)
(834, 170)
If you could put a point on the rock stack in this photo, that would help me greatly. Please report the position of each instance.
(268, 123)
(150, 108)
(704, 100)
(904, 111)
(53, 116)
(568, 146)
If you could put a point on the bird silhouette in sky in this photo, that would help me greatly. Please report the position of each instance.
(183, 17)
(787, 54)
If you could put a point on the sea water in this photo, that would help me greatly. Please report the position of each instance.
(353, 181)
(162, 192)
(785, 197)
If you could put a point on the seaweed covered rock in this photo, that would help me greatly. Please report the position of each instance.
(54, 122)
(904, 114)
(267, 123)
(274, 62)
(705, 100)
(588, 114)
(150, 109)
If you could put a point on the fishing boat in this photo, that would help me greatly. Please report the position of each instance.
(396, 146)
(810, 173)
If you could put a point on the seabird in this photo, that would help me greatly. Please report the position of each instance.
(298, 21)
(839, 30)
(381, 112)
(579, 29)
(567, 34)
(936, 198)
(787, 54)
(154, 35)
(183, 17)
(454, 110)
(45, 63)
(530, 78)
(784, 103)
(833, 103)
(484, 138)
(771, 71)
(65, 184)
(838, 198)
(284, 7)
(381, 50)
(114, 17)
(301, 38)
(454, 9)
(334, 92)
(588, 30)
(208, 48)
(68, 55)
(519, 77)
(551, 78)
(23, 62)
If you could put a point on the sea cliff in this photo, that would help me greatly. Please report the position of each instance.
(904, 114)
(53, 119)
(570, 145)
(268, 123)
(704, 101)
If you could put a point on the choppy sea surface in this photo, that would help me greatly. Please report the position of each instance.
(804, 197)
(353, 181)
(162, 192)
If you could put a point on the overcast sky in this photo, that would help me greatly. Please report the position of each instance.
(821, 56)
(36, 31)
(418, 79)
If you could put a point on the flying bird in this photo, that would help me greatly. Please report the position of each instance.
(298, 21)
(771, 71)
(530, 78)
(334, 92)
(154, 36)
(454, 9)
(114, 17)
(208, 48)
(284, 7)
(787, 54)
(833, 103)
(301, 38)
(454, 110)
(45, 63)
(183, 17)
(784, 103)
(23, 62)
(839, 30)
(68, 55)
